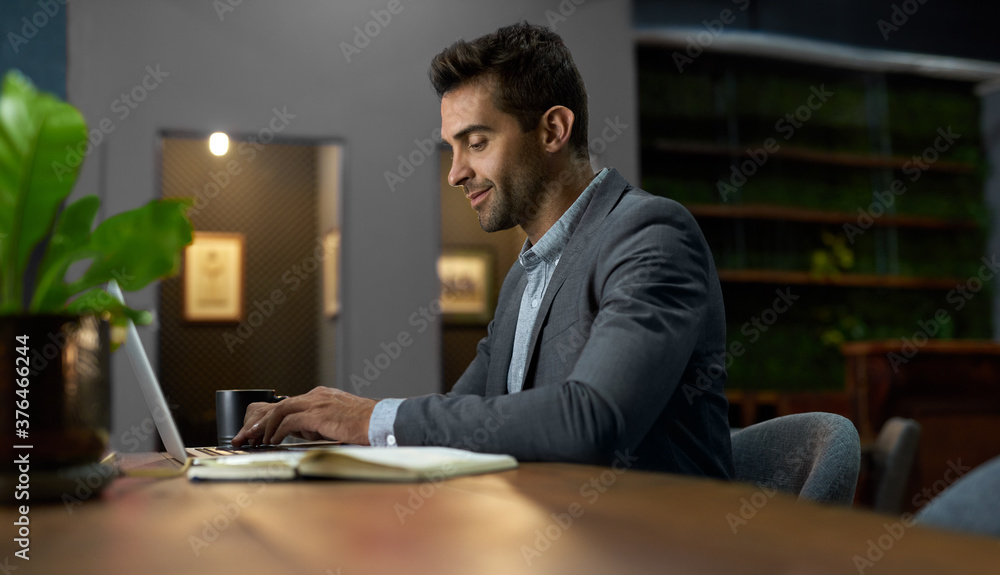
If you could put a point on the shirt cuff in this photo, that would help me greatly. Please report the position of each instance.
(380, 426)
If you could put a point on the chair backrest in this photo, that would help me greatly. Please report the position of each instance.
(816, 456)
(971, 504)
(892, 458)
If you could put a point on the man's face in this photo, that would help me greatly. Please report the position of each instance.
(500, 167)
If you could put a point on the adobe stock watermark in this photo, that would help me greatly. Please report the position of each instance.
(426, 315)
(567, 348)
(913, 168)
(6, 568)
(89, 485)
(878, 546)
(565, 9)
(47, 9)
(610, 131)
(421, 494)
(229, 513)
(697, 43)
(263, 309)
(223, 7)
(750, 506)
(363, 35)
(123, 106)
(475, 441)
(247, 152)
(41, 355)
(415, 158)
(421, 319)
(786, 126)
(959, 297)
(752, 330)
(590, 491)
(898, 17)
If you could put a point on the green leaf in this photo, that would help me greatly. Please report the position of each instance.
(68, 244)
(134, 248)
(40, 139)
(99, 302)
(37, 132)
(102, 304)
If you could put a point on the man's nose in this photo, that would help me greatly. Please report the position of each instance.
(460, 171)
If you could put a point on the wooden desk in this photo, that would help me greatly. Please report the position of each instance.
(641, 523)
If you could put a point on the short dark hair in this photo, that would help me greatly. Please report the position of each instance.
(531, 68)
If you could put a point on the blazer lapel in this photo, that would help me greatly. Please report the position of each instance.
(604, 199)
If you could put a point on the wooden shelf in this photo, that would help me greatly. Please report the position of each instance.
(843, 280)
(793, 214)
(810, 155)
(938, 346)
(748, 403)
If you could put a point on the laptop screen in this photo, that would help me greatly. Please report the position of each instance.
(150, 386)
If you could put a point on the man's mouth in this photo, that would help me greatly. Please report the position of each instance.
(478, 197)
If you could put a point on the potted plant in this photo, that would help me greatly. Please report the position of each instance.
(54, 315)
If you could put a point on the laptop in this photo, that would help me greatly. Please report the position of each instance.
(164, 420)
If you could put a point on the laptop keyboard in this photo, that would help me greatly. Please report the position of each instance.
(222, 450)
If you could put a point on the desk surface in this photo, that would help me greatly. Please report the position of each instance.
(632, 522)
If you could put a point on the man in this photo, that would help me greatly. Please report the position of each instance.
(609, 332)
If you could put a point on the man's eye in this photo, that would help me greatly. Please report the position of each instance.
(477, 145)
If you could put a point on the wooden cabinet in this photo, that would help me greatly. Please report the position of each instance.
(952, 388)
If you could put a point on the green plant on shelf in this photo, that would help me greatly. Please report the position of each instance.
(846, 328)
(834, 259)
(840, 323)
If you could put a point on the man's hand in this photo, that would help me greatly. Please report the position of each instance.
(323, 413)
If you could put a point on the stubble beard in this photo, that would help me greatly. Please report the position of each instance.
(515, 191)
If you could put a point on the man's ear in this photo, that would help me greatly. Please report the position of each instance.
(556, 126)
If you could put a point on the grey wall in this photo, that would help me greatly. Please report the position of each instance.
(329, 163)
(229, 72)
(991, 143)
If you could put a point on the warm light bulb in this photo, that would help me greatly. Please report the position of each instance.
(219, 144)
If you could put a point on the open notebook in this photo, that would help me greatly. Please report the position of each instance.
(354, 462)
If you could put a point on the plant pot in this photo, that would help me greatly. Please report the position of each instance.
(66, 388)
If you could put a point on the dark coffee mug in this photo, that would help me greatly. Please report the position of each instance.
(231, 408)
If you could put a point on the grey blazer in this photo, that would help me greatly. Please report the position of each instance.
(626, 360)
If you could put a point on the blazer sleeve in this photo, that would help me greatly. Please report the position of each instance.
(650, 287)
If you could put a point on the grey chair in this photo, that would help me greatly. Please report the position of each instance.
(816, 456)
(971, 504)
(890, 461)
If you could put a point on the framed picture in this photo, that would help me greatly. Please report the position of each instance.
(331, 273)
(213, 278)
(466, 285)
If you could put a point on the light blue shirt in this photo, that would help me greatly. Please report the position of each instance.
(539, 262)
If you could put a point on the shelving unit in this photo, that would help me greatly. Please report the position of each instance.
(779, 277)
(785, 161)
(792, 214)
(810, 155)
